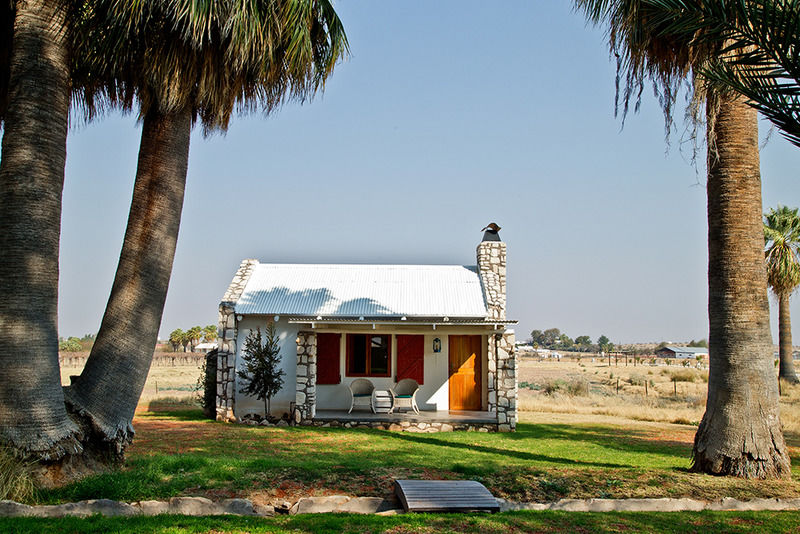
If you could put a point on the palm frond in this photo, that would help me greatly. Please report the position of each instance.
(216, 56)
(760, 58)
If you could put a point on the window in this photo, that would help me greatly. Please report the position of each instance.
(368, 355)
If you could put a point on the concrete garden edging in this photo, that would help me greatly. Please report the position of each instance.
(200, 506)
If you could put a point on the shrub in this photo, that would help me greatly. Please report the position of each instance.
(552, 386)
(16, 477)
(637, 380)
(578, 387)
(683, 375)
(207, 385)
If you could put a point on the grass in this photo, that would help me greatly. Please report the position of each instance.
(178, 453)
(16, 477)
(512, 522)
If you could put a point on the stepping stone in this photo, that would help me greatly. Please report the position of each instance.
(445, 496)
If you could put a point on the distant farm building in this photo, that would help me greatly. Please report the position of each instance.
(205, 348)
(683, 353)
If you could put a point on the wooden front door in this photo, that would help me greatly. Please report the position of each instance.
(465, 372)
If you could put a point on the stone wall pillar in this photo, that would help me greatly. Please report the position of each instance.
(227, 334)
(306, 389)
(226, 365)
(506, 360)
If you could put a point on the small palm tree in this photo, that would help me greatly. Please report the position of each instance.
(782, 237)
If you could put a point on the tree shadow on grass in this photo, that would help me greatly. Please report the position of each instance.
(167, 412)
(624, 439)
(522, 455)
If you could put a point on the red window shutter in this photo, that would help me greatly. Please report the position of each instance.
(411, 357)
(328, 356)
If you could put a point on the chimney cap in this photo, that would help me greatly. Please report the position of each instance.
(490, 232)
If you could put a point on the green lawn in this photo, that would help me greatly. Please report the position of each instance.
(717, 522)
(178, 453)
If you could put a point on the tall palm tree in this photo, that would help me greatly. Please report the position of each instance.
(34, 105)
(740, 433)
(782, 237)
(182, 61)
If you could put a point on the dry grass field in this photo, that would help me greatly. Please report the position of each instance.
(173, 376)
(672, 394)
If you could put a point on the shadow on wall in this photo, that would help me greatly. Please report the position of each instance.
(311, 302)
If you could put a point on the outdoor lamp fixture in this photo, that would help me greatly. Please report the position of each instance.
(437, 345)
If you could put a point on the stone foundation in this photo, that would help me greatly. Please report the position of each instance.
(407, 426)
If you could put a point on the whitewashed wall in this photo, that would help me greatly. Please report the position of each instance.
(288, 339)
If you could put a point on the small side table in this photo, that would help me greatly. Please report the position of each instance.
(381, 400)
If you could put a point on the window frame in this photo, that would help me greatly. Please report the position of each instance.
(368, 374)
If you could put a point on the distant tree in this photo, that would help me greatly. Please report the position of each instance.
(210, 333)
(537, 338)
(87, 337)
(583, 340)
(195, 334)
(565, 342)
(550, 337)
(176, 339)
(71, 344)
(262, 374)
(782, 238)
(603, 343)
(700, 343)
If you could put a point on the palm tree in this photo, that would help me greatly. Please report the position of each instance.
(183, 61)
(34, 105)
(740, 433)
(782, 237)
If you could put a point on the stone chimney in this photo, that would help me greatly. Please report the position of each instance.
(492, 269)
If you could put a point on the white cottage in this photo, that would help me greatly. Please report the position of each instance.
(443, 326)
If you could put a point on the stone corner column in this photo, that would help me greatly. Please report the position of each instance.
(506, 382)
(306, 386)
(226, 364)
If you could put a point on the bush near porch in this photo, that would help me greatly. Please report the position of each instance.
(177, 452)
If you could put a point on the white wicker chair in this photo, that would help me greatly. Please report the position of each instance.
(404, 395)
(361, 394)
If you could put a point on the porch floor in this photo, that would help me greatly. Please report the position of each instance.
(424, 416)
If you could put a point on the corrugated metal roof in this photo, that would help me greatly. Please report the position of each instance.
(363, 290)
(688, 350)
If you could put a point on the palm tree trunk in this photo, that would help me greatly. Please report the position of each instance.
(108, 389)
(33, 418)
(740, 433)
(786, 371)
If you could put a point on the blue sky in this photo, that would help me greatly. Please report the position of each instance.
(447, 115)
